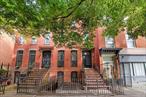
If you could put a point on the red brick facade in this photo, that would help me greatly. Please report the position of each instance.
(96, 57)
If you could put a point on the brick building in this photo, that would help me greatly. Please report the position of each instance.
(40, 52)
(126, 56)
(7, 43)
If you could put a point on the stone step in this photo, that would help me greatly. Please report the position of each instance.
(95, 83)
(26, 87)
(27, 84)
(98, 87)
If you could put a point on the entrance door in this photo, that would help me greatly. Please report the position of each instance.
(86, 56)
(46, 59)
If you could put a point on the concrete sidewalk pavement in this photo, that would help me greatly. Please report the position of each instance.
(129, 92)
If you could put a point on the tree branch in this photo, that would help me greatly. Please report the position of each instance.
(72, 10)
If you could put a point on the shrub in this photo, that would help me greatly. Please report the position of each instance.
(3, 71)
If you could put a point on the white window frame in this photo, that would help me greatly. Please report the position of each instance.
(130, 41)
(21, 40)
(47, 39)
(33, 40)
(109, 42)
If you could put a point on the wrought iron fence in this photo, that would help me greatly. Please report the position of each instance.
(57, 86)
(2, 86)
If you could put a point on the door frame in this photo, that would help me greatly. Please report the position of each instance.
(42, 65)
(90, 52)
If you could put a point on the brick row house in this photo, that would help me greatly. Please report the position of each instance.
(7, 43)
(107, 55)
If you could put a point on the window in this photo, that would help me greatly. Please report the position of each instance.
(138, 69)
(21, 40)
(60, 74)
(47, 38)
(60, 58)
(19, 58)
(109, 42)
(130, 42)
(74, 76)
(73, 58)
(33, 40)
(46, 59)
(145, 68)
(108, 58)
(32, 54)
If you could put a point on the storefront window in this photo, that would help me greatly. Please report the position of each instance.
(138, 69)
(108, 65)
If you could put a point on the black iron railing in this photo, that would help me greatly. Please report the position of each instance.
(79, 86)
(2, 86)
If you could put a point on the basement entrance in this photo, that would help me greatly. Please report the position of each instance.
(86, 57)
(46, 59)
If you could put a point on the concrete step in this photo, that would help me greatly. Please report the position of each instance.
(97, 87)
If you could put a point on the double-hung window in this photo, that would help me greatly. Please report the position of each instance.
(32, 54)
(74, 58)
(61, 58)
(109, 42)
(19, 58)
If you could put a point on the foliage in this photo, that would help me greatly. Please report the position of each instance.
(3, 71)
(35, 17)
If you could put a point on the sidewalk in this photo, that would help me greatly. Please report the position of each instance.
(129, 92)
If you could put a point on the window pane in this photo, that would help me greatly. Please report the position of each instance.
(130, 42)
(47, 38)
(145, 68)
(32, 54)
(61, 58)
(21, 40)
(19, 58)
(60, 75)
(138, 69)
(74, 75)
(74, 58)
(109, 42)
(33, 40)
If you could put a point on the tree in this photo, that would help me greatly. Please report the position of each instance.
(65, 17)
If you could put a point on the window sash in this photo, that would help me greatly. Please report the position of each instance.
(33, 41)
(47, 41)
(32, 55)
(109, 42)
(138, 69)
(19, 58)
(74, 75)
(21, 40)
(60, 74)
(47, 38)
(60, 58)
(130, 42)
(74, 58)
